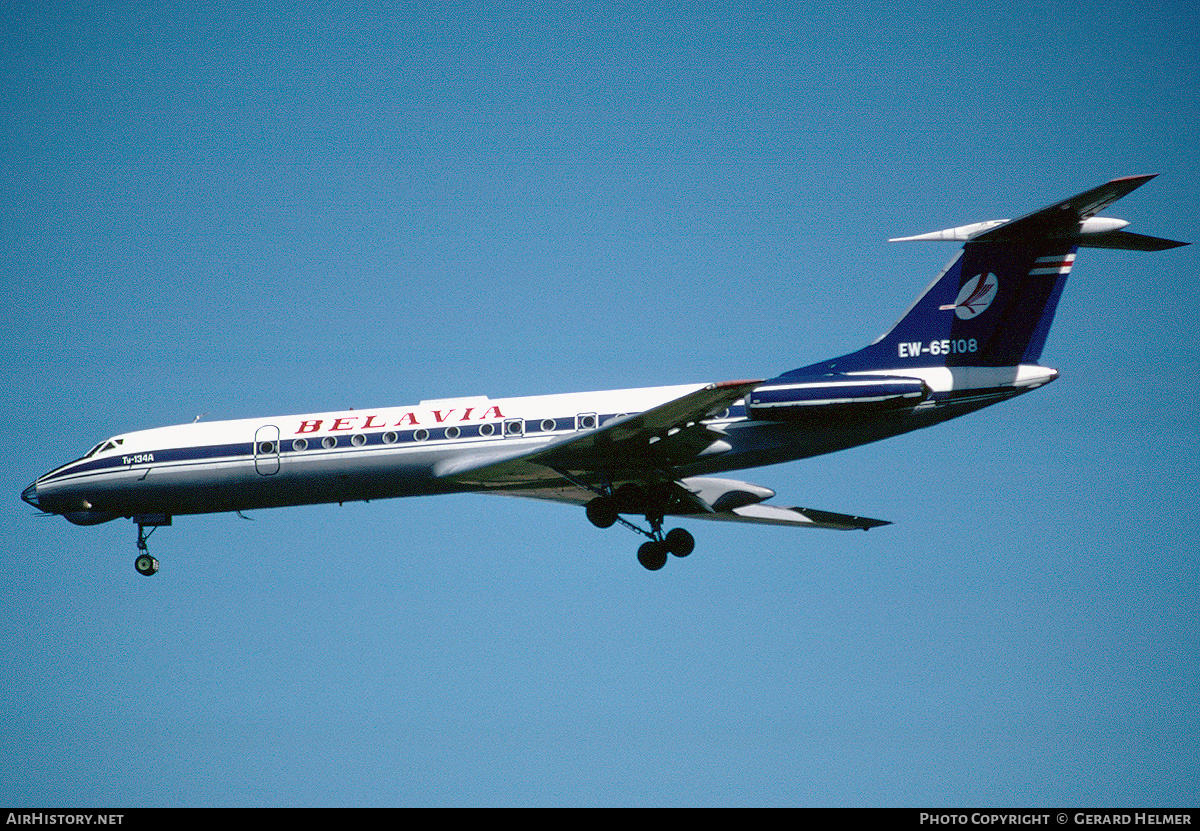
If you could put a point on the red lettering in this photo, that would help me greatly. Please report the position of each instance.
(494, 412)
(467, 414)
(407, 418)
(437, 414)
(369, 425)
(309, 426)
(343, 424)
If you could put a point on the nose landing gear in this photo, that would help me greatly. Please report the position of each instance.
(145, 564)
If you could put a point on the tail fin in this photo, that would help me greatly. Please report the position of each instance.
(993, 305)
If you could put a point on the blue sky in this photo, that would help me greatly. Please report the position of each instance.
(241, 214)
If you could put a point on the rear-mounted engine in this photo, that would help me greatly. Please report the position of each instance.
(781, 400)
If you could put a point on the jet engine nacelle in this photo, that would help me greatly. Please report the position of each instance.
(782, 400)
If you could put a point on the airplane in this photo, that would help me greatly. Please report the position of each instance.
(972, 339)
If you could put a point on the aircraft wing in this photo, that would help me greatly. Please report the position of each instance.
(647, 442)
(723, 500)
(805, 517)
(659, 437)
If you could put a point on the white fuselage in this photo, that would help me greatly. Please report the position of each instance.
(319, 457)
(401, 451)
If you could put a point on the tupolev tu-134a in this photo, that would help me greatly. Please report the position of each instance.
(636, 456)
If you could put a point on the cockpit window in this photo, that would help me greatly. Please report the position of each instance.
(103, 447)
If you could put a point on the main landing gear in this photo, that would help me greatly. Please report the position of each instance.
(605, 511)
(145, 564)
(653, 554)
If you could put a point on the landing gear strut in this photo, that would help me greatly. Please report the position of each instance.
(145, 564)
(605, 511)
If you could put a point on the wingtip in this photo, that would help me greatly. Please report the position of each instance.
(1129, 184)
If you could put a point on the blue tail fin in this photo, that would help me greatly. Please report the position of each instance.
(993, 305)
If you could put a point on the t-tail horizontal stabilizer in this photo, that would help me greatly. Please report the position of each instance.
(1072, 221)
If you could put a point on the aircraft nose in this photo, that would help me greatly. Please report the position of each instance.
(30, 496)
